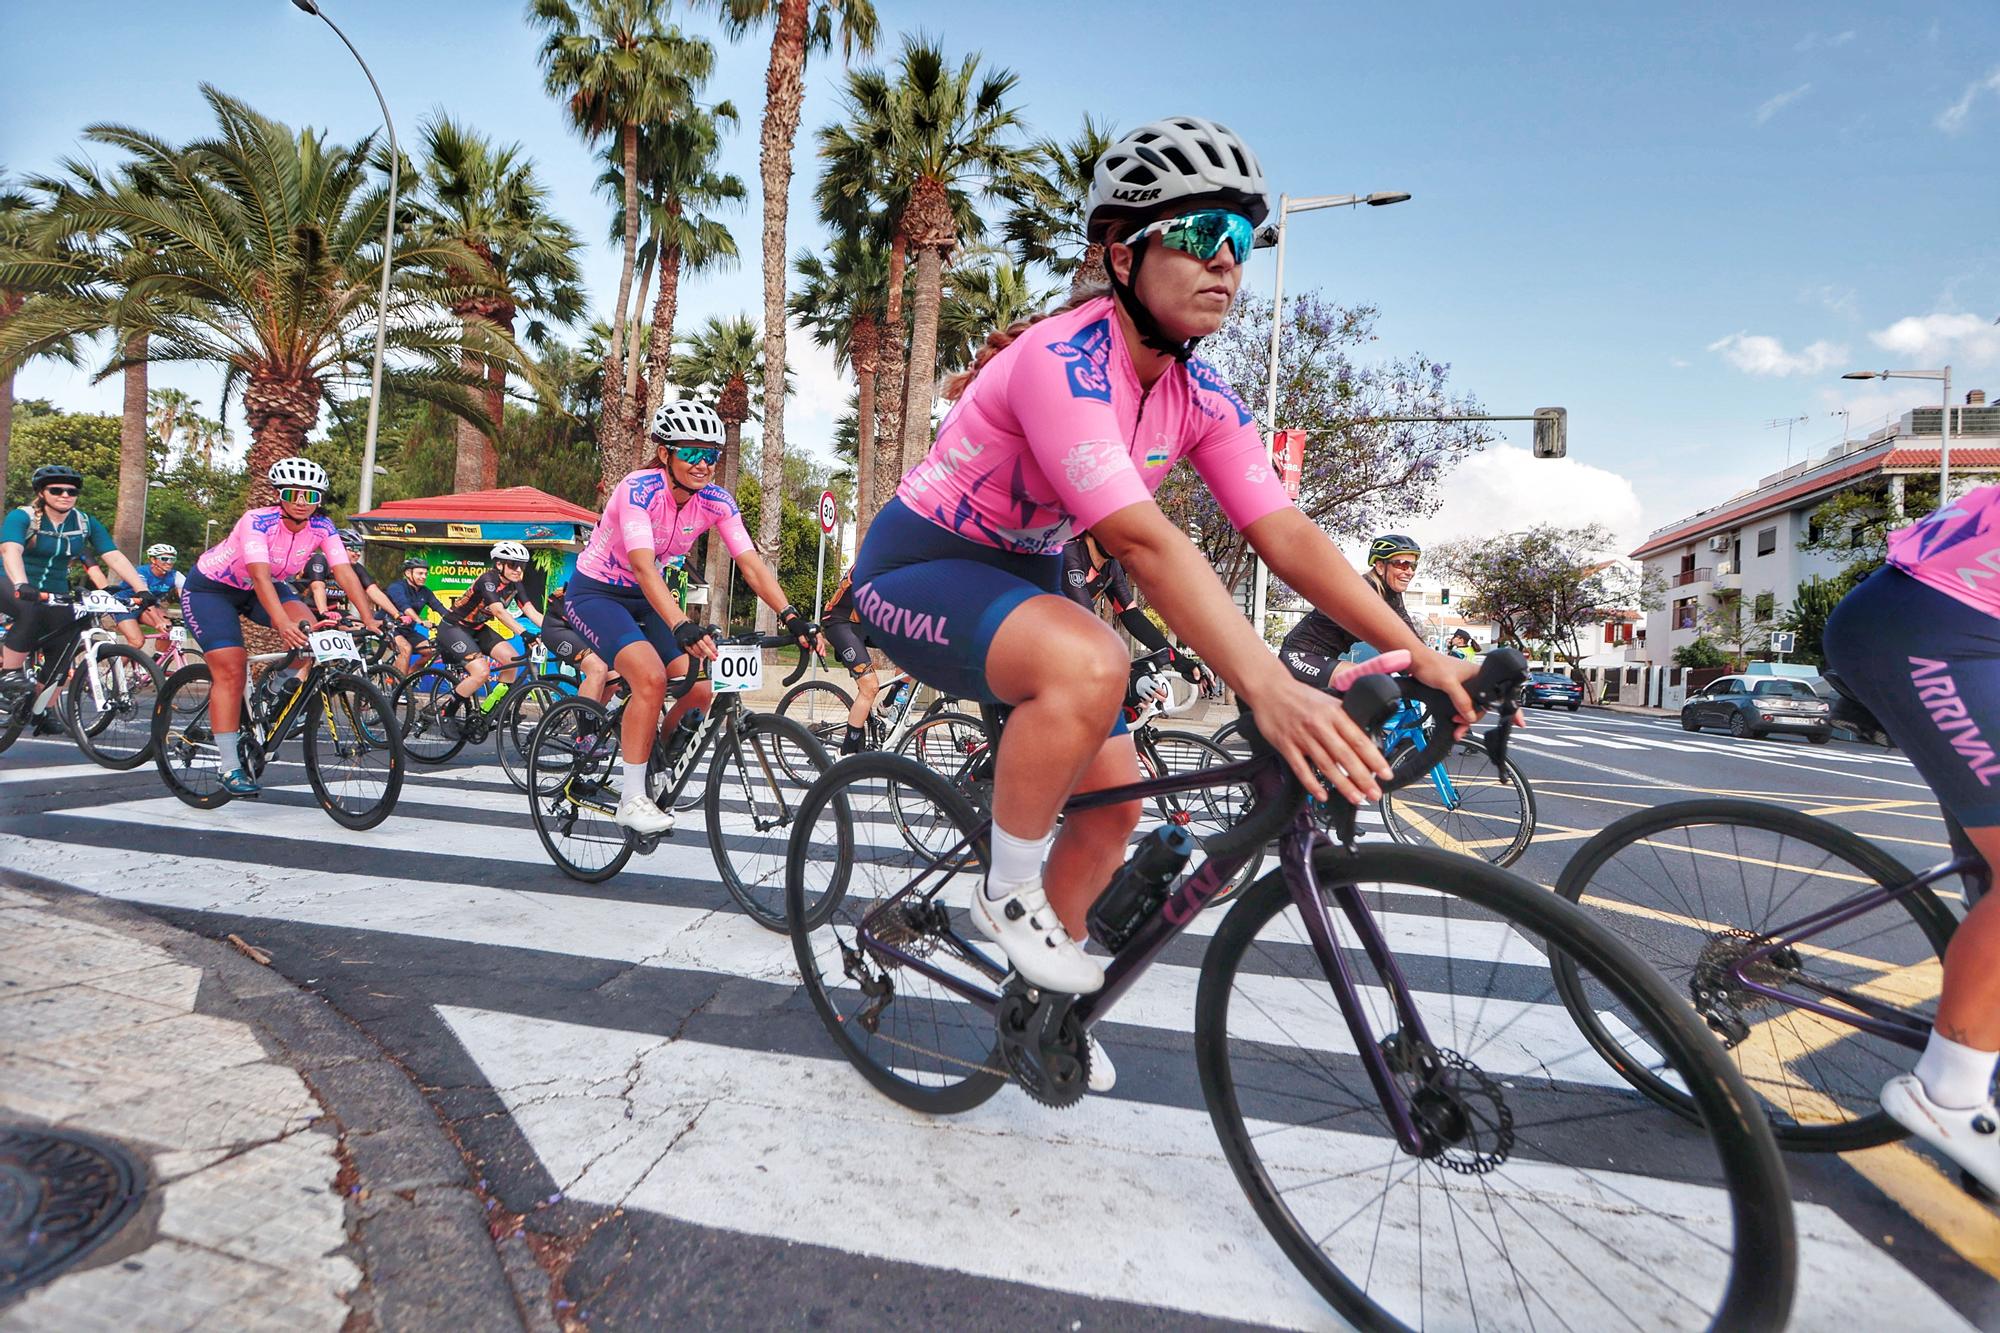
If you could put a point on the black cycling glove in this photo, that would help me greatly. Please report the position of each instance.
(690, 632)
(795, 624)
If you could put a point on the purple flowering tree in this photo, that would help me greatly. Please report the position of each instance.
(1544, 587)
(1361, 475)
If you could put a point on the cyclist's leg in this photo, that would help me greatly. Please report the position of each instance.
(27, 622)
(128, 628)
(456, 645)
(1091, 844)
(850, 649)
(623, 629)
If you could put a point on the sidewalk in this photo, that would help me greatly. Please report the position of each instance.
(278, 1170)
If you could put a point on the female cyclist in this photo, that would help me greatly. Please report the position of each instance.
(478, 625)
(620, 605)
(1069, 423)
(841, 635)
(244, 575)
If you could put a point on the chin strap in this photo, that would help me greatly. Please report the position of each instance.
(1150, 332)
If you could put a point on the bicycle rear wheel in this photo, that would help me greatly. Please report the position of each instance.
(184, 744)
(1545, 1193)
(520, 713)
(430, 715)
(353, 752)
(572, 761)
(1466, 805)
(863, 903)
(1691, 885)
(821, 707)
(111, 706)
(762, 769)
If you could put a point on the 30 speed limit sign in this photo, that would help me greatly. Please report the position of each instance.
(829, 512)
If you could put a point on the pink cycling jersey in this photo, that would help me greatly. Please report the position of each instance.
(1956, 549)
(642, 515)
(1056, 433)
(261, 537)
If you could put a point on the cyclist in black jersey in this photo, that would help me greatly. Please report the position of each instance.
(410, 597)
(568, 647)
(326, 596)
(841, 634)
(466, 636)
(1091, 574)
(1318, 641)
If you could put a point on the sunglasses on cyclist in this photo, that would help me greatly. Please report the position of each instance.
(693, 456)
(58, 490)
(1407, 566)
(1202, 233)
(298, 495)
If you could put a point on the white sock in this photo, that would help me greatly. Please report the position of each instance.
(1016, 861)
(635, 776)
(226, 750)
(1954, 1076)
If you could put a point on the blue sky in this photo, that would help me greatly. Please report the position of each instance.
(1678, 221)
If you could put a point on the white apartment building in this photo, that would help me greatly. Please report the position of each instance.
(1747, 546)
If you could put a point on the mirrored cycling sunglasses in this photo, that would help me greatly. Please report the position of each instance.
(1202, 233)
(298, 495)
(693, 455)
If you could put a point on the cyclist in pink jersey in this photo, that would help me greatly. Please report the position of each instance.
(618, 602)
(1070, 423)
(244, 575)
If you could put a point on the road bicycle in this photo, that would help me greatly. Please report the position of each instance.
(763, 764)
(1413, 1117)
(823, 707)
(89, 683)
(437, 722)
(352, 750)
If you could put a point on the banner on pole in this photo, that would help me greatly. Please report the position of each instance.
(1291, 453)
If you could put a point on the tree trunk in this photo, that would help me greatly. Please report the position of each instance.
(615, 432)
(6, 431)
(496, 407)
(922, 390)
(659, 356)
(613, 425)
(717, 570)
(469, 457)
(631, 352)
(1091, 276)
(784, 91)
(863, 353)
(280, 410)
(889, 381)
(129, 529)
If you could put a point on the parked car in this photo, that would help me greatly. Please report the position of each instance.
(1758, 706)
(1550, 689)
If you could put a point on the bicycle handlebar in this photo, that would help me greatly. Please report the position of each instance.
(1498, 684)
(750, 639)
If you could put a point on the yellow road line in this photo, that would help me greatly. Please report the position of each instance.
(1713, 927)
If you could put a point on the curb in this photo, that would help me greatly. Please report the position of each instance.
(427, 1258)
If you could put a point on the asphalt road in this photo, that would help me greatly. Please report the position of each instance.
(630, 1068)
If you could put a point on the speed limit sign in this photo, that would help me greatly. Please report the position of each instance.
(829, 512)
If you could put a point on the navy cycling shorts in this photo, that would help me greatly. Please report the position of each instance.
(213, 612)
(1928, 666)
(611, 618)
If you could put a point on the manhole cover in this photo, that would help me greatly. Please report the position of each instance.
(60, 1195)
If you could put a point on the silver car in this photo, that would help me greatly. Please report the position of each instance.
(1759, 706)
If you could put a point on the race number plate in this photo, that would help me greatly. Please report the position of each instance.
(177, 634)
(737, 668)
(98, 602)
(334, 645)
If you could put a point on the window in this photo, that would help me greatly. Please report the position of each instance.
(1767, 540)
(1815, 529)
(1765, 607)
(1684, 613)
(1784, 689)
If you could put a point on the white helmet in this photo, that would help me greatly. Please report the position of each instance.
(675, 423)
(296, 471)
(512, 552)
(1168, 165)
(161, 551)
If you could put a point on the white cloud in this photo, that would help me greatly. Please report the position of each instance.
(1679, 362)
(1761, 354)
(1506, 488)
(1952, 119)
(1812, 41)
(1926, 342)
(1772, 106)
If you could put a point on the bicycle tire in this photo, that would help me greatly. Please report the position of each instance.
(132, 690)
(555, 763)
(1860, 1063)
(1720, 1189)
(838, 869)
(782, 762)
(17, 717)
(520, 713)
(821, 707)
(1505, 832)
(420, 701)
(371, 728)
(954, 745)
(184, 744)
(1205, 811)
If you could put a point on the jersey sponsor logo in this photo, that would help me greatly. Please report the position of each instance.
(943, 464)
(1159, 455)
(1087, 358)
(1091, 463)
(1939, 693)
(264, 522)
(1129, 194)
(1206, 378)
(644, 488)
(886, 616)
(715, 495)
(1257, 473)
(1077, 578)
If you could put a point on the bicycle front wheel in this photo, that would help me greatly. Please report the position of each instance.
(821, 707)
(353, 752)
(1468, 805)
(520, 713)
(572, 794)
(431, 715)
(762, 768)
(184, 743)
(1537, 1189)
(1694, 884)
(111, 702)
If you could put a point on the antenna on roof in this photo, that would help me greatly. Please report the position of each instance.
(1843, 414)
(1787, 423)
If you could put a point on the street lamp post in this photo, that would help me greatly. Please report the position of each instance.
(1286, 207)
(366, 499)
(1944, 420)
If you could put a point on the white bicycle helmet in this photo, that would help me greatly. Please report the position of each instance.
(161, 551)
(686, 423)
(512, 552)
(1168, 165)
(296, 471)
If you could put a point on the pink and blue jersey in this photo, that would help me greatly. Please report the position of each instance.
(261, 537)
(642, 515)
(1056, 433)
(1956, 550)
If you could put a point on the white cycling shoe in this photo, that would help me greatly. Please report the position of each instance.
(1969, 1136)
(1027, 929)
(638, 813)
(1103, 1077)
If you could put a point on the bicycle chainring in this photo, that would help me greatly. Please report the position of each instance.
(1042, 1044)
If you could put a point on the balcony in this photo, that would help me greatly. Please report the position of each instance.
(1691, 582)
(1728, 578)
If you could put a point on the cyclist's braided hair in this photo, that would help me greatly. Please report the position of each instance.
(999, 339)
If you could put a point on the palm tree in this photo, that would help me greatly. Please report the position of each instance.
(842, 301)
(19, 214)
(799, 27)
(979, 298)
(259, 250)
(724, 357)
(618, 68)
(1045, 224)
(487, 200)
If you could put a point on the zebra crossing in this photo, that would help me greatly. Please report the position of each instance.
(639, 1045)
